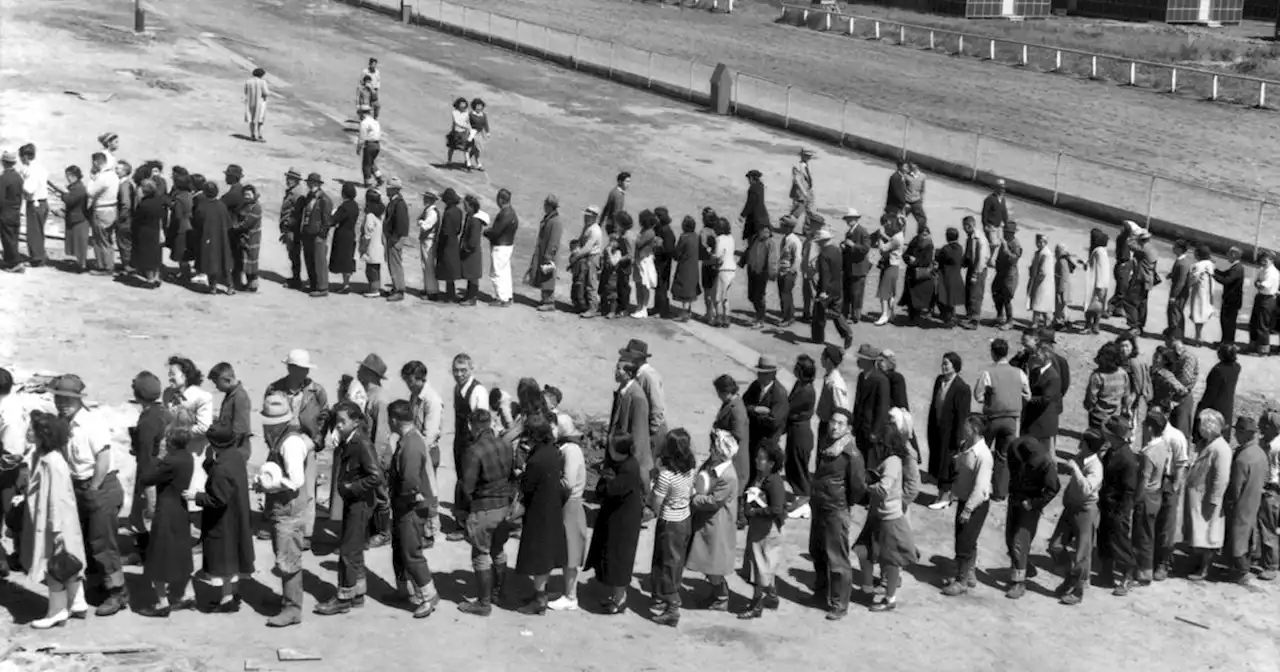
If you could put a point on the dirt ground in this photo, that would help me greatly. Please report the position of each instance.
(1217, 146)
(177, 97)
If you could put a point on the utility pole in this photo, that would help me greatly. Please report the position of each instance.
(139, 17)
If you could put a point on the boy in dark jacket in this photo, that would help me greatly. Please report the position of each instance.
(358, 476)
(1033, 483)
(839, 483)
(761, 262)
(1116, 498)
(412, 484)
(145, 439)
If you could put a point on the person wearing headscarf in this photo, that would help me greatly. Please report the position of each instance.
(949, 261)
(918, 293)
(715, 509)
(1062, 294)
(886, 539)
(449, 245)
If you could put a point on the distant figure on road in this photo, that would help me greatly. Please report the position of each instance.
(995, 212)
(459, 137)
(479, 132)
(906, 193)
(802, 186)
(371, 78)
(256, 92)
(368, 146)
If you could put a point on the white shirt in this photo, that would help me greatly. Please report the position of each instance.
(431, 420)
(1268, 280)
(194, 400)
(370, 131)
(111, 160)
(89, 438)
(428, 221)
(104, 188)
(1273, 460)
(35, 181)
(1179, 455)
(14, 420)
(294, 453)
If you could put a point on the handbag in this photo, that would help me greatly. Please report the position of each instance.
(63, 567)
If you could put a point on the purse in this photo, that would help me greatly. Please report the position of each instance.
(63, 567)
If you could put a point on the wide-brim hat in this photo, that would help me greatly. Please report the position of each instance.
(592, 210)
(8, 157)
(636, 349)
(106, 138)
(868, 351)
(806, 152)
(292, 174)
(300, 358)
(767, 364)
(314, 178)
(375, 364)
(852, 213)
(1245, 423)
(395, 183)
(68, 385)
(276, 411)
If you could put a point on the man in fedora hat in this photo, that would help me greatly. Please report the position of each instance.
(98, 492)
(314, 223)
(871, 397)
(829, 292)
(755, 214)
(650, 382)
(789, 260)
(585, 261)
(371, 374)
(369, 145)
(630, 415)
(287, 501)
(11, 201)
(428, 232)
(1250, 472)
(802, 185)
(855, 249)
(308, 405)
(291, 225)
(396, 231)
(768, 406)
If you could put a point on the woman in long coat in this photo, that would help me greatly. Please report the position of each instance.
(732, 418)
(1063, 268)
(147, 221)
(950, 260)
(918, 294)
(53, 521)
(1204, 519)
(685, 288)
(1220, 386)
(1006, 254)
(542, 264)
(178, 233)
(370, 245)
(250, 232)
(168, 562)
(1041, 413)
(1200, 305)
(471, 249)
(951, 402)
(215, 260)
(225, 531)
(802, 401)
(1040, 284)
(542, 545)
(342, 250)
(617, 534)
(449, 244)
(715, 513)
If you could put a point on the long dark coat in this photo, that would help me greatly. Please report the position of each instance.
(472, 249)
(549, 234)
(177, 234)
(617, 534)
(342, 250)
(946, 418)
(1249, 473)
(169, 549)
(918, 292)
(148, 220)
(1041, 413)
(800, 441)
(1005, 285)
(225, 530)
(685, 287)
(950, 275)
(542, 545)
(755, 214)
(1220, 391)
(215, 257)
(448, 245)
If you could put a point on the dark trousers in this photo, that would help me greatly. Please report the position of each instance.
(369, 160)
(787, 297)
(829, 548)
(351, 541)
(99, 510)
(670, 550)
(828, 308)
(916, 210)
(1166, 524)
(967, 533)
(1268, 523)
(662, 294)
(1020, 527)
(975, 290)
(622, 289)
(9, 235)
(1176, 315)
(1135, 307)
(395, 262)
(806, 298)
(855, 289)
(1115, 540)
(315, 250)
(1077, 528)
(757, 289)
(407, 539)
(1227, 320)
(1183, 416)
(11, 486)
(37, 215)
(294, 247)
(1000, 431)
(1146, 513)
(1261, 321)
(373, 276)
(124, 240)
(797, 463)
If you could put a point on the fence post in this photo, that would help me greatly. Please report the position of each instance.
(1093, 67)
(1057, 172)
(991, 50)
(850, 26)
(576, 38)
(1024, 55)
(1133, 73)
(786, 119)
(648, 77)
(827, 21)
(1257, 232)
(464, 21)
(844, 112)
(931, 40)
(692, 65)
(977, 145)
(518, 23)
(1151, 199)
(611, 50)
(489, 28)
(1262, 94)
(1173, 80)
(906, 128)
(737, 79)
(1057, 60)
(902, 34)
(1214, 94)
(960, 46)
(877, 30)
(804, 16)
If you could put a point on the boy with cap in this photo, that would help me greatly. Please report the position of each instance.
(357, 476)
(414, 501)
(315, 221)
(283, 479)
(145, 439)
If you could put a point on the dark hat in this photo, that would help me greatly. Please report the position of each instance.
(450, 197)
(292, 174)
(1010, 227)
(868, 351)
(755, 174)
(147, 387)
(767, 364)
(1246, 423)
(221, 434)
(636, 349)
(787, 222)
(833, 353)
(314, 178)
(68, 385)
(234, 171)
(375, 364)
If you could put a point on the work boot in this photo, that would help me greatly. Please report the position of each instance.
(719, 597)
(333, 607)
(377, 541)
(1161, 573)
(427, 606)
(669, 617)
(955, 587)
(756, 610)
(499, 582)
(484, 591)
(535, 607)
(117, 599)
(290, 602)
(771, 601)
(1016, 590)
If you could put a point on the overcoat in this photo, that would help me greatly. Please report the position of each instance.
(225, 530)
(1249, 473)
(51, 513)
(1206, 487)
(548, 246)
(946, 419)
(471, 249)
(613, 544)
(950, 275)
(169, 549)
(542, 545)
(448, 245)
(715, 516)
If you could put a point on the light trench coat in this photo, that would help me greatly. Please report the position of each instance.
(1207, 486)
(51, 514)
(371, 250)
(714, 508)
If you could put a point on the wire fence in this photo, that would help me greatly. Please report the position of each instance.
(1085, 186)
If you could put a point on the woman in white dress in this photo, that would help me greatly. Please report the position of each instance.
(370, 245)
(460, 133)
(1202, 290)
(1040, 285)
(727, 269)
(1097, 280)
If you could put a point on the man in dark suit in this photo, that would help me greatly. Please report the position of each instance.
(630, 415)
(870, 398)
(856, 245)
(995, 212)
(829, 290)
(768, 406)
(1232, 281)
(754, 213)
(1179, 288)
(316, 221)
(896, 200)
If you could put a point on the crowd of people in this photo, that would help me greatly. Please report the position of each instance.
(522, 471)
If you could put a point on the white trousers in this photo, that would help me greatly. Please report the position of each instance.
(500, 271)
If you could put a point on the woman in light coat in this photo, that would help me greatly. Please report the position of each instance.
(1204, 525)
(53, 522)
(1040, 284)
(715, 515)
(370, 245)
(1097, 283)
(1201, 303)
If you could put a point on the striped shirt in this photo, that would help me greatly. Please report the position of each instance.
(675, 490)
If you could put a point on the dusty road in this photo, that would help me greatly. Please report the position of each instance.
(177, 97)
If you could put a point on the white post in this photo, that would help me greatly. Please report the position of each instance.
(960, 46)
(735, 85)
(1024, 55)
(1133, 73)
(877, 30)
(850, 25)
(786, 120)
(805, 17)
(902, 34)
(1214, 95)
(1057, 171)
(1093, 67)
(1173, 80)
(931, 40)
(991, 51)
(977, 148)
(1151, 200)
(1057, 60)
(1262, 94)
(827, 21)
(844, 113)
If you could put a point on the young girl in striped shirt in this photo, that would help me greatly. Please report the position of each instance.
(670, 498)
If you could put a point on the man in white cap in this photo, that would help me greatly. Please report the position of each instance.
(368, 145)
(308, 404)
(857, 264)
(11, 201)
(283, 479)
(585, 259)
(396, 231)
(802, 186)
